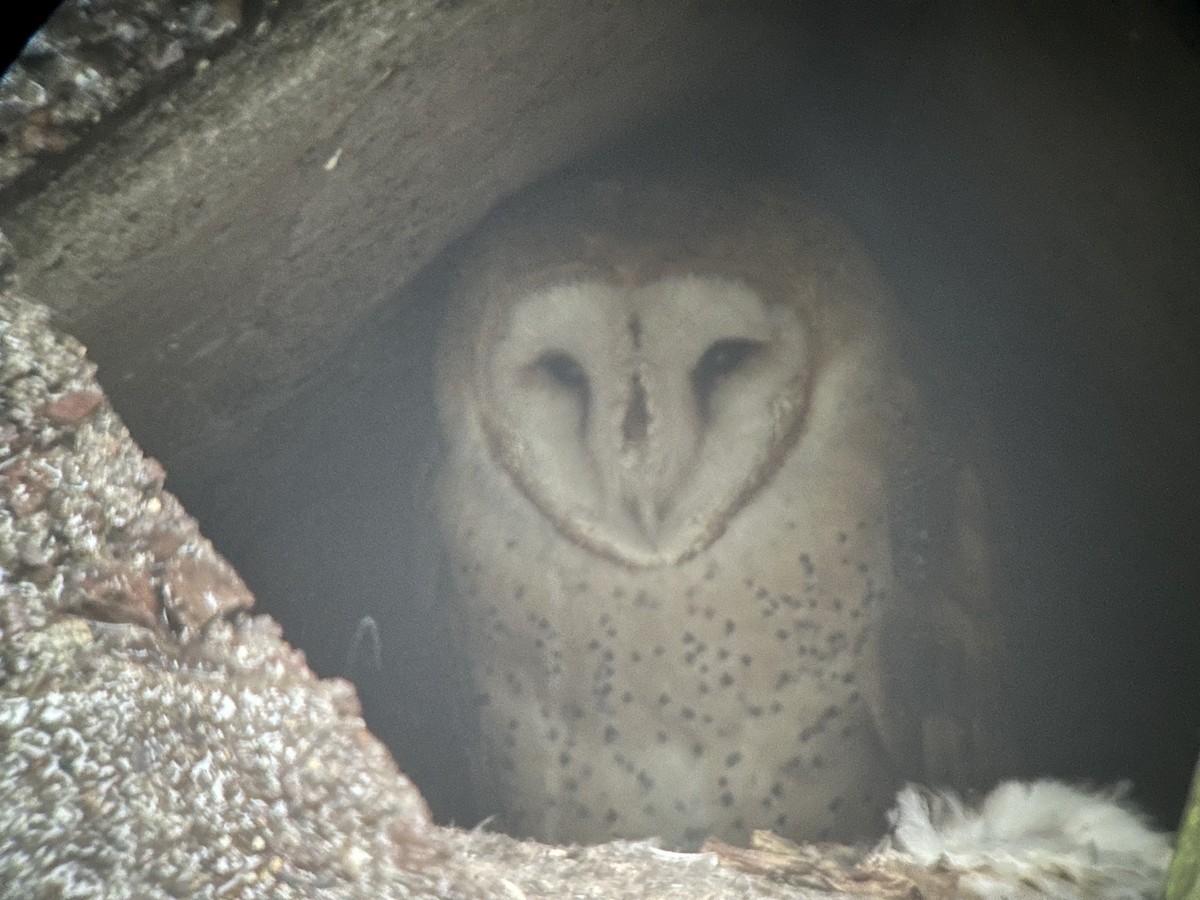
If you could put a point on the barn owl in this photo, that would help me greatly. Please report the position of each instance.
(714, 561)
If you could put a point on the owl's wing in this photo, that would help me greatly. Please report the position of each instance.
(444, 715)
(939, 696)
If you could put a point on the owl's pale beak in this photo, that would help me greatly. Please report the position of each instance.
(640, 487)
(648, 515)
(635, 425)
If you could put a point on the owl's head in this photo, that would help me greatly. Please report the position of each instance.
(641, 359)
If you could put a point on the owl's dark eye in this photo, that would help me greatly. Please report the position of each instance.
(564, 370)
(720, 360)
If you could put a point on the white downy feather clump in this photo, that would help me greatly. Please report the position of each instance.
(1041, 839)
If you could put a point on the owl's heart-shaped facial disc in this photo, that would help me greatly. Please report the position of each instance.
(638, 420)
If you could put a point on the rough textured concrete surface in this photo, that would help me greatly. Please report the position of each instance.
(156, 741)
(89, 61)
(250, 219)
